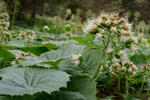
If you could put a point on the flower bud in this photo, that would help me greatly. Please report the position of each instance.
(121, 53)
(123, 69)
(99, 21)
(130, 70)
(115, 22)
(104, 16)
(108, 22)
(110, 50)
(113, 29)
(99, 36)
(122, 20)
(133, 39)
(13, 63)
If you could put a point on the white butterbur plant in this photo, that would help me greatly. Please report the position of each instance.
(27, 35)
(118, 42)
(114, 33)
(4, 25)
(75, 59)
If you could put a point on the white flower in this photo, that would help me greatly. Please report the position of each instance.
(123, 69)
(122, 20)
(79, 55)
(134, 72)
(115, 22)
(99, 21)
(129, 62)
(13, 63)
(18, 57)
(128, 33)
(75, 59)
(108, 22)
(91, 26)
(130, 70)
(128, 26)
(103, 15)
(122, 32)
(46, 27)
(76, 63)
(113, 29)
(115, 60)
(122, 59)
(132, 48)
(121, 53)
(99, 36)
(134, 67)
(22, 53)
(133, 39)
(109, 50)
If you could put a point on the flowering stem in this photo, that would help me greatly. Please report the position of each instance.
(103, 56)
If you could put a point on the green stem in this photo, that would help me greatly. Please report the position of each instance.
(118, 83)
(148, 91)
(103, 56)
(127, 87)
(96, 71)
(142, 85)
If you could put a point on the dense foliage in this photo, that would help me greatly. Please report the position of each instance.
(56, 60)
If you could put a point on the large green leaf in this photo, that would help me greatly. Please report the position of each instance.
(85, 86)
(67, 96)
(33, 48)
(4, 53)
(20, 81)
(68, 67)
(62, 95)
(139, 59)
(91, 58)
(66, 50)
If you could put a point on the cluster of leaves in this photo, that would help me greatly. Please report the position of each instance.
(58, 66)
(42, 68)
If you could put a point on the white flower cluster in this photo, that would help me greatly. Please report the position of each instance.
(19, 59)
(4, 20)
(4, 25)
(75, 59)
(109, 50)
(46, 28)
(119, 29)
(27, 35)
(122, 64)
